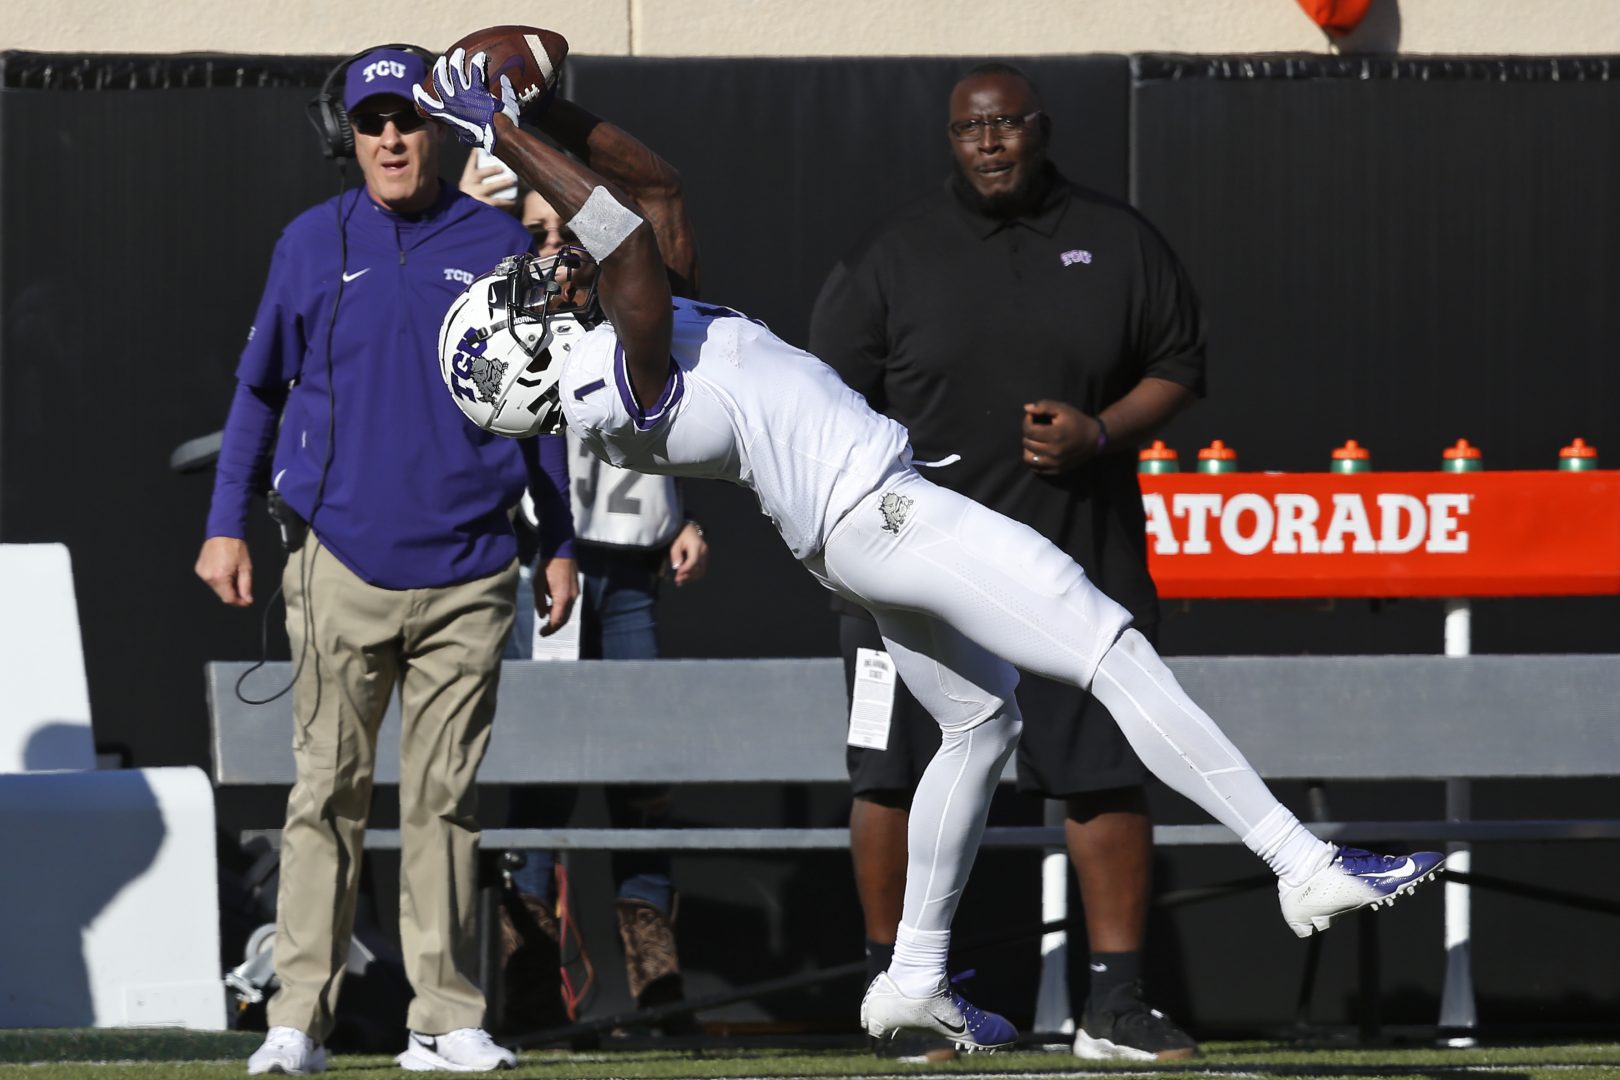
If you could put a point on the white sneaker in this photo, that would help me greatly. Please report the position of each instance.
(1354, 879)
(461, 1050)
(289, 1052)
(885, 1012)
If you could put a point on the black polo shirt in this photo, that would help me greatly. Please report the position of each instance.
(949, 321)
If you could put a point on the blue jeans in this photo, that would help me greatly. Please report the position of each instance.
(619, 588)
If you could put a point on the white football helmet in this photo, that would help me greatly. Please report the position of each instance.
(501, 346)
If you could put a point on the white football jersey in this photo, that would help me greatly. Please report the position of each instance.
(740, 405)
(619, 508)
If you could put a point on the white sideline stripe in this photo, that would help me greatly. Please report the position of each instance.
(1370, 1069)
(547, 72)
(1057, 1074)
(1077, 1074)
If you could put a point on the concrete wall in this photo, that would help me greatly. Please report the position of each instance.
(832, 28)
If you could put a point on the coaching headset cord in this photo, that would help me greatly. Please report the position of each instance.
(305, 563)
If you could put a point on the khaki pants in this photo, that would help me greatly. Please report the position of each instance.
(442, 647)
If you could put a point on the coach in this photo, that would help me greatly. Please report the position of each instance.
(402, 565)
(1029, 333)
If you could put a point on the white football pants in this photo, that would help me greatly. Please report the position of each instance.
(962, 595)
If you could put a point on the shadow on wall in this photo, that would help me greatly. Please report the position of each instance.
(1378, 32)
(58, 890)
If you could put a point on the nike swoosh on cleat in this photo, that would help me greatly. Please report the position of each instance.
(1404, 870)
(954, 1030)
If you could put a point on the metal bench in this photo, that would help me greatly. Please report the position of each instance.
(1330, 718)
(782, 721)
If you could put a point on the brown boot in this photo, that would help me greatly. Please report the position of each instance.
(530, 959)
(651, 963)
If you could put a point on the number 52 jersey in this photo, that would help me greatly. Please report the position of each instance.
(741, 405)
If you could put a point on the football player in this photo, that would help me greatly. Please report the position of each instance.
(962, 596)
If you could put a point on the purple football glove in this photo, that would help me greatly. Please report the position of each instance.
(462, 98)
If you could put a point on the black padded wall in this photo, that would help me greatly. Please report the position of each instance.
(141, 198)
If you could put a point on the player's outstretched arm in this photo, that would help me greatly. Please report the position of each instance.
(655, 185)
(633, 289)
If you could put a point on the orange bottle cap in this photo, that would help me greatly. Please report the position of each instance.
(1463, 449)
(1217, 451)
(1352, 451)
(1580, 448)
(1157, 452)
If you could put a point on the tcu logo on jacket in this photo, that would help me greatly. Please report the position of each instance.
(391, 68)
(470, 365)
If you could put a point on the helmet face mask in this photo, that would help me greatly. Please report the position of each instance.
(503, 341)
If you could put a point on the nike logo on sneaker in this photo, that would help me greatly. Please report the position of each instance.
(357, 273)
(956, 1029)
(429, 1041)
(1404, 870)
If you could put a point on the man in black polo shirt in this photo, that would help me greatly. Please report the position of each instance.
(1029, 333)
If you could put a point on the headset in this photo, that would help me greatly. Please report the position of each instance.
(326, 112)
(336, 134)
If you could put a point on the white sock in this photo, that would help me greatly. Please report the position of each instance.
(1288, 847)
(920, 956)
(1183, 747)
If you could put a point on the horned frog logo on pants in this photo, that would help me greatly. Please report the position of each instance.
(895, 509)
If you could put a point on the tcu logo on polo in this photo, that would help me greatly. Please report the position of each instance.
(384, 68)
(463, 276)
(1076, 255)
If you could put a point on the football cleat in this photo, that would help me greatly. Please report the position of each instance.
(885, 1012)
(1355, 879)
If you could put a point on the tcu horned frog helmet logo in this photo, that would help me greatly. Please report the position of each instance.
(471, 365)
(502, 345)
(895, 509)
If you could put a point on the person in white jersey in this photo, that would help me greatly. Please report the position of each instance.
(963, 597)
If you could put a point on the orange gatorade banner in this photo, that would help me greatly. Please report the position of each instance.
(1436, 534)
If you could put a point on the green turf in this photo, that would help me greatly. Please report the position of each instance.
(106, 1055)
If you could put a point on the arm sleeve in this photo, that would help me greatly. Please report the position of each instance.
(848, 329)
(244, 457)
(271, 359)
(1170, 326)
(274, 353)
(548, 485)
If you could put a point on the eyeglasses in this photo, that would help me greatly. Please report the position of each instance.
(1004, 127)
(373, 123)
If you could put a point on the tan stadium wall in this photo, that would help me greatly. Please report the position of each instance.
(833, 28)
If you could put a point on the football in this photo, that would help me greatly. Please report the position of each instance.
(531, 57)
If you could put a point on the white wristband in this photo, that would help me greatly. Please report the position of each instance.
(602, 223)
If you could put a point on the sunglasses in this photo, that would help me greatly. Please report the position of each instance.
(372, 123)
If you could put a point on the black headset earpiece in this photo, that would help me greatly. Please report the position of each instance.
(326, 112)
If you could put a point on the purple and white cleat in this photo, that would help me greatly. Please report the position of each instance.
(1353, 880)
(885, 1012)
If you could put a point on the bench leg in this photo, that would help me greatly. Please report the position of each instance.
(489, 940)
(1371, 1010)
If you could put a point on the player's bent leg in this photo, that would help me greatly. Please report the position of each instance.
(969, 692)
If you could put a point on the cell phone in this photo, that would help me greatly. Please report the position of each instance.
(508, 191)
